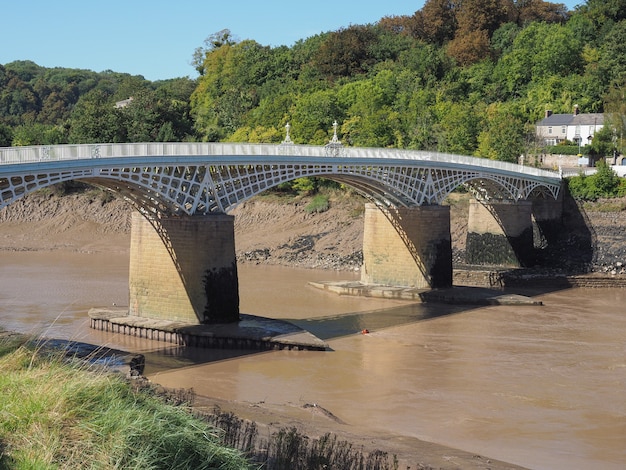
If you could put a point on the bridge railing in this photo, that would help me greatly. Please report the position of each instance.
(568, 173)
(34, 154)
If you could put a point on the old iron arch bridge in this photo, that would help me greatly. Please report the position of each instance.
(182, 254)
(205, 178)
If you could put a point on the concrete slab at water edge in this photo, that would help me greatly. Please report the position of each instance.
(251, 332)
(127, 363)
(463, 295)
(255, 332)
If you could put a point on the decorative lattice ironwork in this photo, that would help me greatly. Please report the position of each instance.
(212, 178)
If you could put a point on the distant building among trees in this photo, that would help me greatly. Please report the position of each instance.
(123, 103)
(578, 128)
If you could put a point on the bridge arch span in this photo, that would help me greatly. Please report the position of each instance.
(206, 189)
(207, 178)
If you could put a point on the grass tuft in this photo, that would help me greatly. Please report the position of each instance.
(60, 415)
(319, 203)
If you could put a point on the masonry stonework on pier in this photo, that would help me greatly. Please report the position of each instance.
(548, 217)
(182, 268)
(500, 233)
(407, 246)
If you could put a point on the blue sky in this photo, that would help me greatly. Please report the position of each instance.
(157, 38)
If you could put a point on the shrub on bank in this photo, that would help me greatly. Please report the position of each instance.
(57, 415)
(319, 203)
(603, 184)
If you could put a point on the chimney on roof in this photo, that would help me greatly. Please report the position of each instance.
(548, 113)
(576, 110)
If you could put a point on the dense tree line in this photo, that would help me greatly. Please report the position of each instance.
(40, 105)
(465, 76)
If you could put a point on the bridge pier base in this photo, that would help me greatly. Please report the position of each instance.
(408, 247)
(500, 234)
(183, 268)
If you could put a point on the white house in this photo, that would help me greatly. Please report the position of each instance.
(577, 127)
(123, 103)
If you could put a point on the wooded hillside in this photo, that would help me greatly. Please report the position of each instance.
(469, 77)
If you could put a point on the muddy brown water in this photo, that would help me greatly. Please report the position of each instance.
(539, 386)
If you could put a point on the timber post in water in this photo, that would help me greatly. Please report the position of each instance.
(177, 262)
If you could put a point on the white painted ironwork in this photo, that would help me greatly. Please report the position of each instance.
(334, 148)
(214, 177)
(287, 140)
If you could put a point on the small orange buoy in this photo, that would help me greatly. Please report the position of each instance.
(364, 332)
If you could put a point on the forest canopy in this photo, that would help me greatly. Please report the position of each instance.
(470, 77)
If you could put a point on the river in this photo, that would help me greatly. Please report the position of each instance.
(539, 386)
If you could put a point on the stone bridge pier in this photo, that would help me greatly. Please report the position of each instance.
(548, 217)
(507, 233)
(407, 246)
(183, 268)
(500, 234)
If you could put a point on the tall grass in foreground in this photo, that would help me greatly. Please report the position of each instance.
(55, 415)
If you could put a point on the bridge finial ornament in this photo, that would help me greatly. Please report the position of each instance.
(287, 140)
(334, 147)
(335, 139)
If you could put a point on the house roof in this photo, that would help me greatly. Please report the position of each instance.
(583, 119)
(589, 119)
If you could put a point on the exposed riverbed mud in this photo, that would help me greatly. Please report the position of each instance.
(280, 231)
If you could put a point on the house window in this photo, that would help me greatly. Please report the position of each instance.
(550, 130)
(564, 130)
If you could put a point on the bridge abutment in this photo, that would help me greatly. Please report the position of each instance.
(407, 246)
(183, 268)
(500, 234)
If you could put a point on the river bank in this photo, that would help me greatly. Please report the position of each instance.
(252, 423)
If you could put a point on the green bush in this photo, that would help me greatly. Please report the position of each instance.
(319, 203)
(603, 183)
(567, 150)
(305, 185)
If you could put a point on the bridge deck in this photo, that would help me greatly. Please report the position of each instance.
(214, 177)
